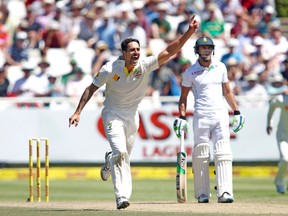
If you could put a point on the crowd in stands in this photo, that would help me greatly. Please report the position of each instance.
(33, 31)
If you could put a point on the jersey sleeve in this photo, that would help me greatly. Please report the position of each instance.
(225, 73)
(186, 79)
(151, 63)
(101, 78)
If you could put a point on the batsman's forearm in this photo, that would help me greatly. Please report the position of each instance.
(182, 106)
(87, 94)
(232, 102)
(230, 98)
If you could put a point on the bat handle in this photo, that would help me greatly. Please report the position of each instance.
(182, 149)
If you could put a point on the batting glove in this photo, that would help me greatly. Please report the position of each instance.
(237, 121)
(179, 125)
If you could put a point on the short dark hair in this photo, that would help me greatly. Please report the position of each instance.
(124, 44)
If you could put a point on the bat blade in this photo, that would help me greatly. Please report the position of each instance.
(181, 176)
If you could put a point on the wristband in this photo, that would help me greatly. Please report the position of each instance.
(182, 117)
(236, 112)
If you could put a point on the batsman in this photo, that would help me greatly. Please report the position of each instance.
(207, 78)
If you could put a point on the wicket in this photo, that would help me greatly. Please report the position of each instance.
(38, 169)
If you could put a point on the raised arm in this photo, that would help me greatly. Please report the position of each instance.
(87, 94)
(177, 44)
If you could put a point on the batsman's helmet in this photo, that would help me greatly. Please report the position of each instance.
(203, 41)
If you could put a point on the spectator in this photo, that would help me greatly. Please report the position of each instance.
(106, 32)
(18, 51)
(156, 82)
(171, 85)
(174, 64)
(254, 5)
(228, 8)
(26, 85)
(31, 18)
(42, 78)
(183, 25)
(34, 30)
(160, 26)
(53, 37)
(55, 88)
(268, 19)
(240, 27)
(254, 17)
(233, 51)
(66, 77)
(264, 68)
(35, 40)
(100, 58)
(4, 82)
(99, 8)
(143, 21)
(65, 23)
(212, 27)
(76, 18)
(255, 94)
(234, 73)
(184, 64)
(77, 83)
(279, 42)
(204, 9)
(151, 11)
(87, 28)
(46, 17)
(134, 30)
(264, 51)
(246, 41)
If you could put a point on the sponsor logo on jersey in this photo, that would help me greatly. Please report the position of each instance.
(198, 72)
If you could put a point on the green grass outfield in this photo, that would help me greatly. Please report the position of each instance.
(253, 195)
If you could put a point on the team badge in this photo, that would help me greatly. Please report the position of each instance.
(137, 73)
(116, 77)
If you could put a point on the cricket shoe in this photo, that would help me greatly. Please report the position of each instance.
(105, 170)
(203, 198)
(280, 189)
(225, 198)
(122, 202)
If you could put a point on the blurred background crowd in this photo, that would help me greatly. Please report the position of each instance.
(53, 48)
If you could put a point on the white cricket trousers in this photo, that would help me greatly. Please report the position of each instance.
(213, 128)
(121, 129)
(282, 141)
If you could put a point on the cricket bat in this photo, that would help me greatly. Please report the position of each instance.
(181, 176)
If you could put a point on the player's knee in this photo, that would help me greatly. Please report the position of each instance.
(222, 151)
(201, 153)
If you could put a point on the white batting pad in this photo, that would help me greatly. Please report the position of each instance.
(223, 167)
(200, 163)
(121, 175)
